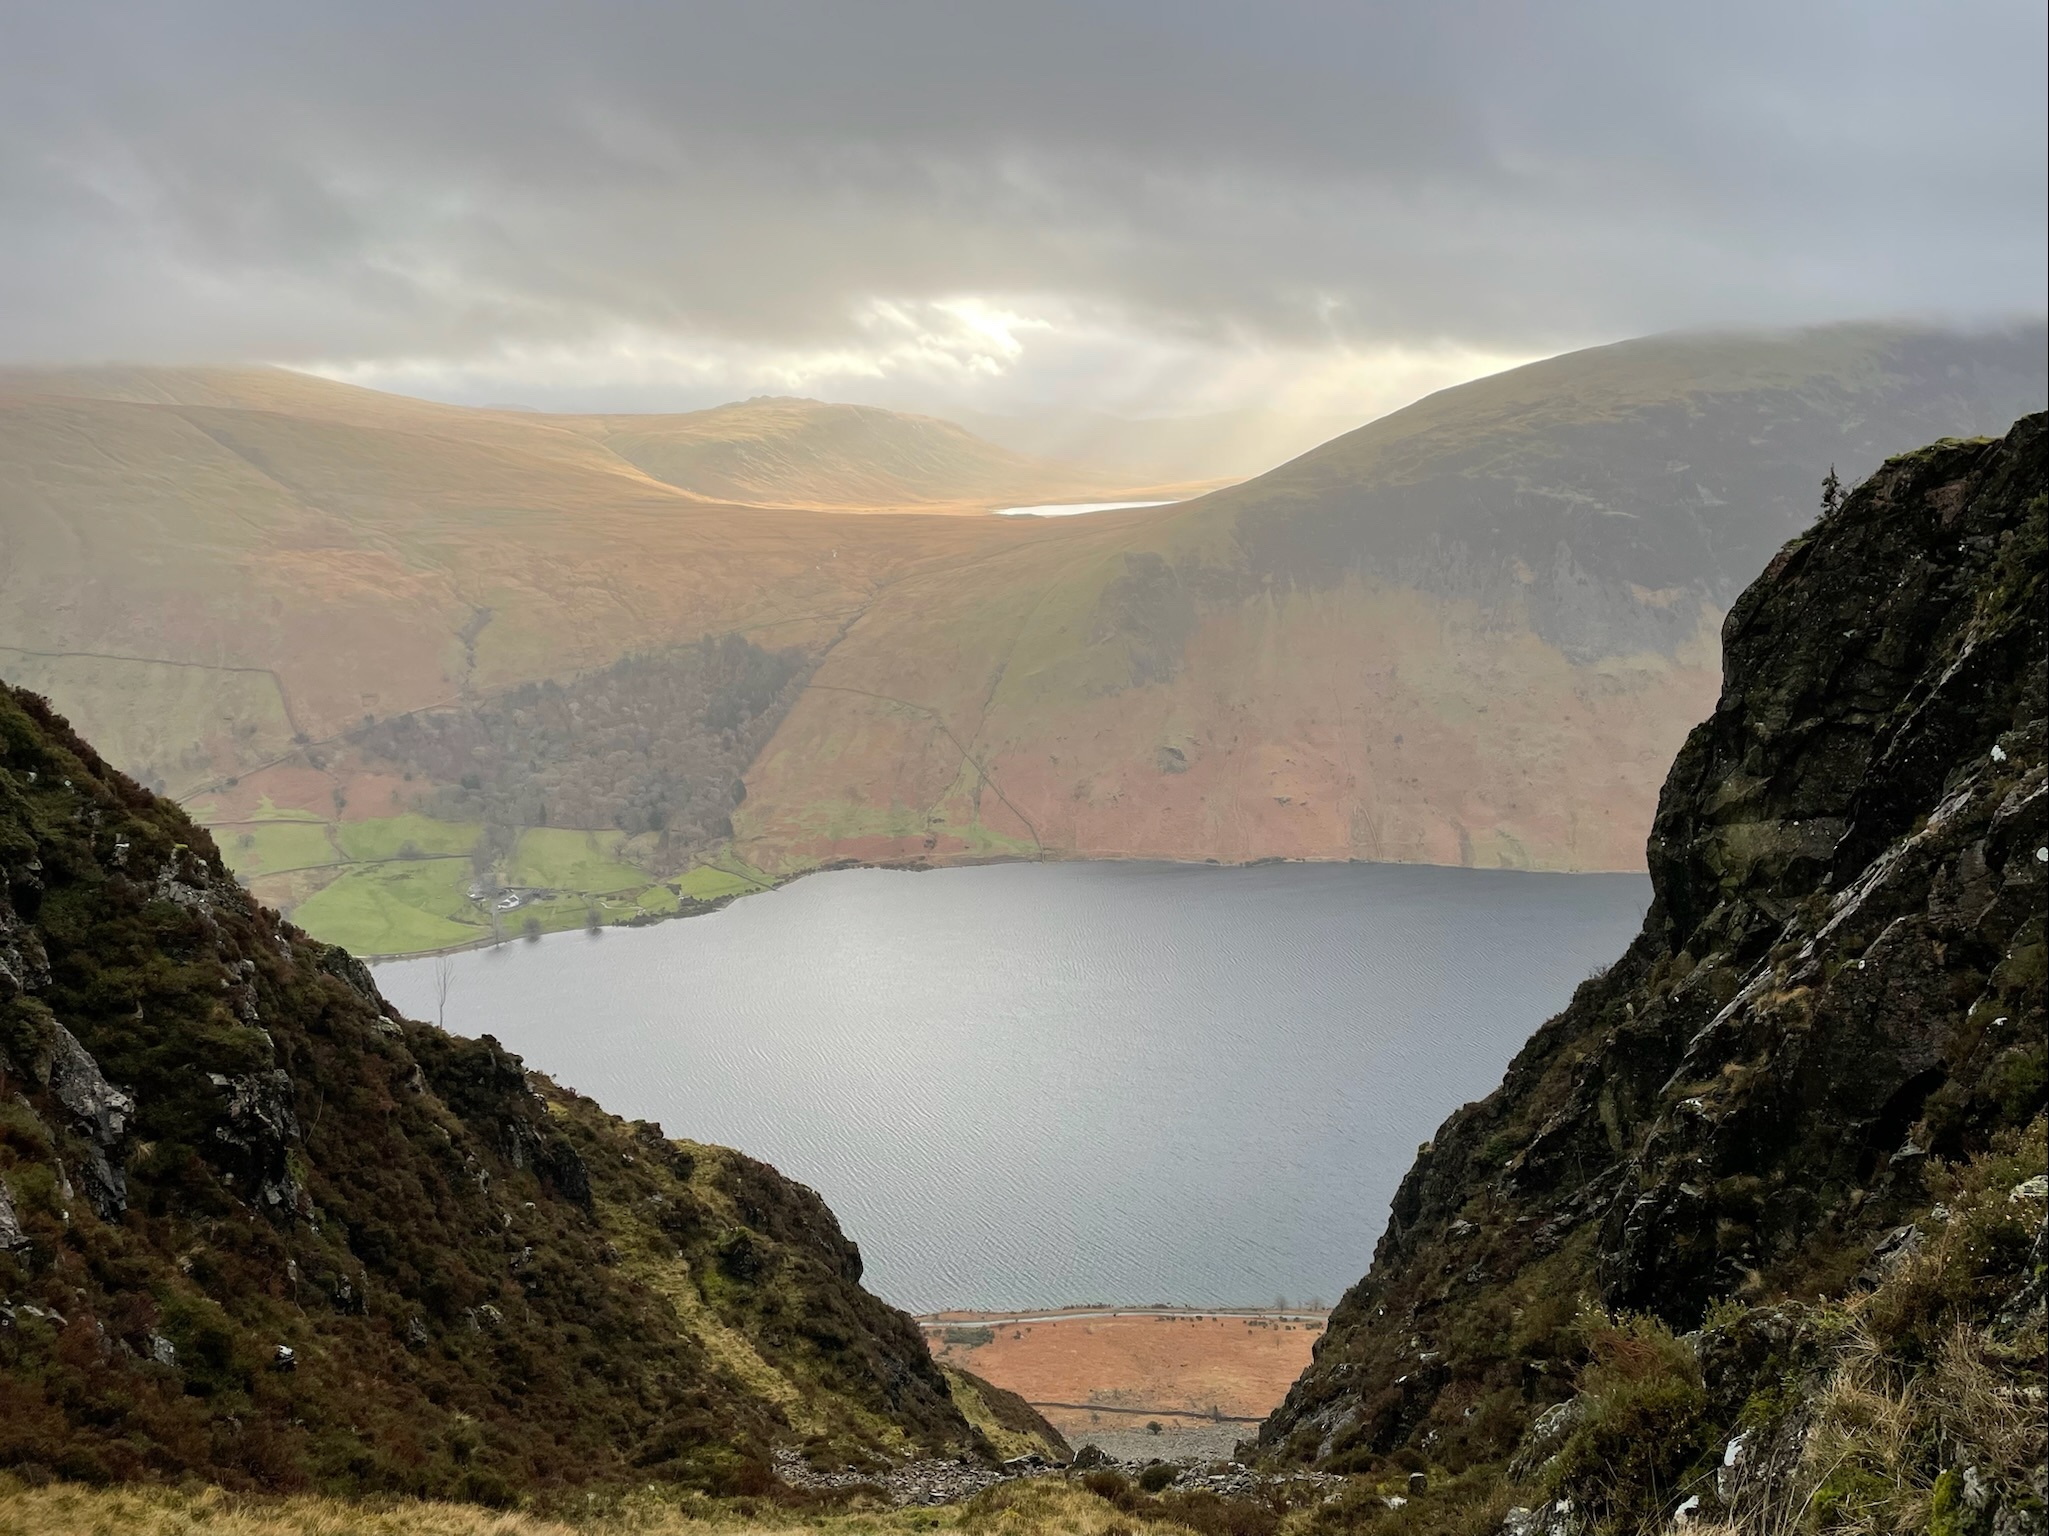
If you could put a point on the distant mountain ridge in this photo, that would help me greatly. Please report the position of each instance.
(1596, 488)
(1223, 445)
(1470, 633)
(774, 451)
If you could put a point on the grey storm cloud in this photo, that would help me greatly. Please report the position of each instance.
(369, 182)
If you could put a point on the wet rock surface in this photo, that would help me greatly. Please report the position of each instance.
(254, 1136)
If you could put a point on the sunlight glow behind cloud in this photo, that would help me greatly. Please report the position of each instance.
(961, 352)
(1127, 205)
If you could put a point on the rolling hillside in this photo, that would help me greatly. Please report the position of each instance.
(846, 458)
(770, 452)
(1233, 445)
(1471, 632)
(395, 651)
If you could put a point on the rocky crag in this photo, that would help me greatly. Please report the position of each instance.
(257, 1228)
(1752, 1232)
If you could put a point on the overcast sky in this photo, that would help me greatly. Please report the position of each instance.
(1149, 207)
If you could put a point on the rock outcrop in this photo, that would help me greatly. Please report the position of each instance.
(257, 1228)
(1835, 1005)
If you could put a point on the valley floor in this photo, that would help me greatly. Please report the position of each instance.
(1137, 1382)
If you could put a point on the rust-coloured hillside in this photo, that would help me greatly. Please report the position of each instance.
(1471, 633)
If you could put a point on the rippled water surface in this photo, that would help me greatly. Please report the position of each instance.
(1028, 1084)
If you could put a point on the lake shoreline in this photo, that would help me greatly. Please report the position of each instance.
(689, 906)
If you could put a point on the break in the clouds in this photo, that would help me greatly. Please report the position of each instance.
(1165, 205)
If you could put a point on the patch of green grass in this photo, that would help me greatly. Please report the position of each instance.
(573, 911)
(269, 810)
(394, 909)
(263, 848)
(560, 914)
(564, 859)
(388, 837)
(708, 882)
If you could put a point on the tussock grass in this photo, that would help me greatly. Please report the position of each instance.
(69, 1509)
(1914, 1406)
(1922, 1384)
(1865, 1467)
(1857, 1467)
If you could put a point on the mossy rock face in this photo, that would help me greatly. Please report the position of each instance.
(257, 1228)
(1835, 999)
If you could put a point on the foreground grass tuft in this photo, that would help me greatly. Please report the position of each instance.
(67, 1509)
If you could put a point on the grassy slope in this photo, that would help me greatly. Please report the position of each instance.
(73, 1510)
(769, 452)
(488, 1284)
(347, 543)
(785, 452)
(317, 553)
(584, 862)
(395, 908)
(391, 837)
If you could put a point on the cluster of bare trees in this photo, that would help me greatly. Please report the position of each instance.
(653, 743)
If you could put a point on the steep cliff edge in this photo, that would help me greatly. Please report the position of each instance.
(256, 1227)
(1813, 1084)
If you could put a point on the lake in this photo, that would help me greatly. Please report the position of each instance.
(1074, 508)
(1021, 1085)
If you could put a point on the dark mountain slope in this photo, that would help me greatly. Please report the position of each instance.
(1613, 493)
(1835, 1005)
(255, 1227)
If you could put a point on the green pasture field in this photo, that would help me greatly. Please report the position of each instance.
(395, 908)
(265, 847)
(564, 859)
(403, 881)
(708, 882)
(384, 837)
